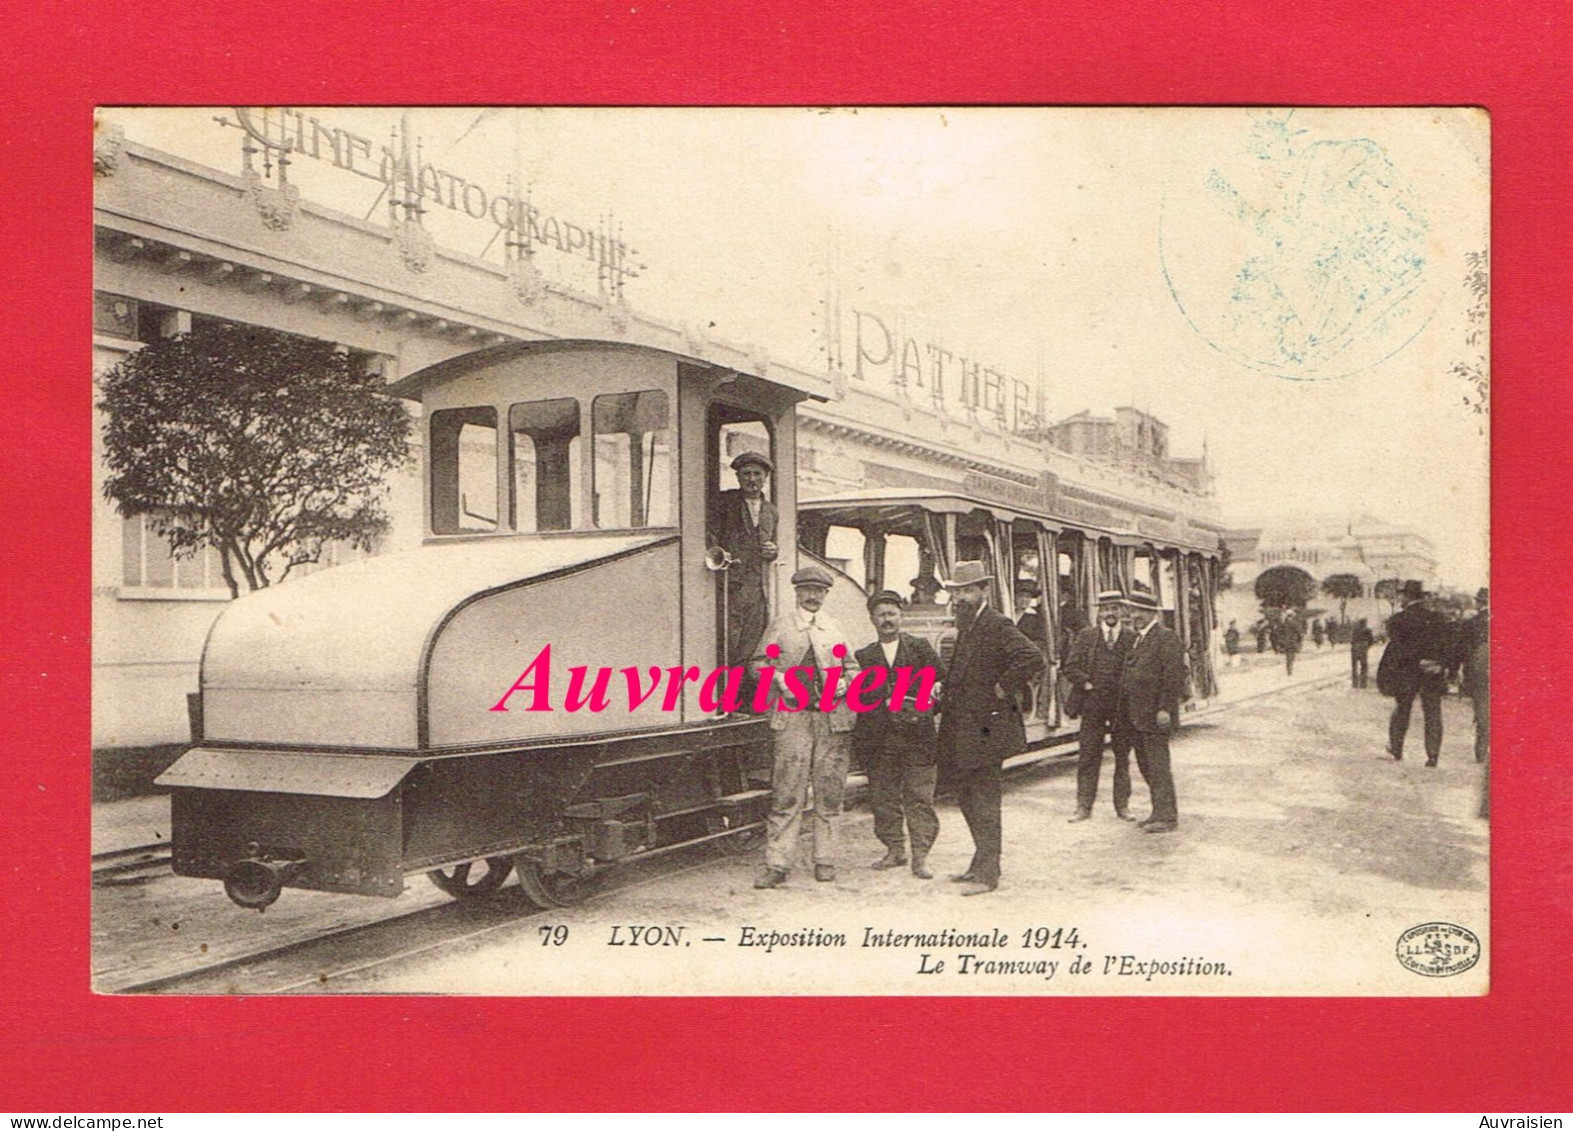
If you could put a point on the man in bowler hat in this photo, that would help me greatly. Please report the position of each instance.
(744, 524)
(980, 721)
(1150, 693)
(1419, 649)
(1094, 668)
(897, 747)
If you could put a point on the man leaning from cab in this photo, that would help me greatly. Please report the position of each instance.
(811, 747)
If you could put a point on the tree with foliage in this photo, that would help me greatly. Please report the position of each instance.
(262, 445)
(1284, 587)
(1343, 587)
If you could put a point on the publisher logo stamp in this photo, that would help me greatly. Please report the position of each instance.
(1438, 950)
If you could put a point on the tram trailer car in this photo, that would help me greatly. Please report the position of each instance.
(347, 730)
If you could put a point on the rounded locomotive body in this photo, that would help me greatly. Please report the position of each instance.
(525, 689)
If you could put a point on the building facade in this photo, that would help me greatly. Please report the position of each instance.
(177, 243)
(1367, 548)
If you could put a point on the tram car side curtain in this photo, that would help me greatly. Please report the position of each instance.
(1201, 578)
(1049, 604)
(942, 536)
(1114, 567)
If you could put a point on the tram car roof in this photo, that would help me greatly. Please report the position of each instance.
(413, 386)
(891, 504)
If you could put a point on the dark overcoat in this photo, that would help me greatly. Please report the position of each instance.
(977, 724)
(1414, 634)
(908, 729)
(1154, 680)
(733, 529)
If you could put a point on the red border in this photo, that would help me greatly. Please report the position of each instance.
(61, 1049)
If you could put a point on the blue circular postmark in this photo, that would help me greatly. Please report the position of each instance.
(1438, 950)
(1299, 253)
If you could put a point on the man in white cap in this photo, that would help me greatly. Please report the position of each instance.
(744, 523)
(980, 720)
(1094, 668)
(811, 747)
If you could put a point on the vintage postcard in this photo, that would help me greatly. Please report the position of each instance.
(863, 551)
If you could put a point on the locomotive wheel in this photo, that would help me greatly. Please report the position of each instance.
(463, 881)
(548, 890)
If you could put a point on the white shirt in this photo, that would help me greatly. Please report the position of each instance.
(890, 651)
(753, 508)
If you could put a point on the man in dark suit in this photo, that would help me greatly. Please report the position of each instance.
(744, 524)
(1419, 648)
(1288, 635)
(897, 748)
(1360, 641)
(1094, 668)
(1474, 657)
(1150, 693)
(980, 722)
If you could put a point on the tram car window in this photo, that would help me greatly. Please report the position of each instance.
(546, 472)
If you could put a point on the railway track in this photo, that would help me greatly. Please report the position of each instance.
(338, 955)
(132, 865)
(315, 964)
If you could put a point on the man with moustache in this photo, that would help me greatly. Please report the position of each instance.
(980, 722)
(744, 524)
(897, 748)
(810, 746)
(1094, 668)
(1150, 691)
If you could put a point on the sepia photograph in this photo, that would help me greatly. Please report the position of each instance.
(916, 551)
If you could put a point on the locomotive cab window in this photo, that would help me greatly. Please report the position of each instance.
(546, 476)
(464, 470)
(633, 460)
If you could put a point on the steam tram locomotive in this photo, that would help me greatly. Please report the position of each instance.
(411, 712)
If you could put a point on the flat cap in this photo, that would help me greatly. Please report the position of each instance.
(812, 575)
(758, 459)
(887, 597)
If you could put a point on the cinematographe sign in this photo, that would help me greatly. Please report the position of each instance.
(413, 185)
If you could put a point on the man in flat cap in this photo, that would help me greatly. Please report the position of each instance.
(1150, 692)
(1094, 668)
(744, 523)
(1419, 649)
(980, 722)
(811, 749)
(897, 748)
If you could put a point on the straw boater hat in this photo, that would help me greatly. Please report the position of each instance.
(1111, 597)
(1141, 601)
(968, 573)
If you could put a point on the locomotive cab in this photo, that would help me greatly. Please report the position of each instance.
(512, 691)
